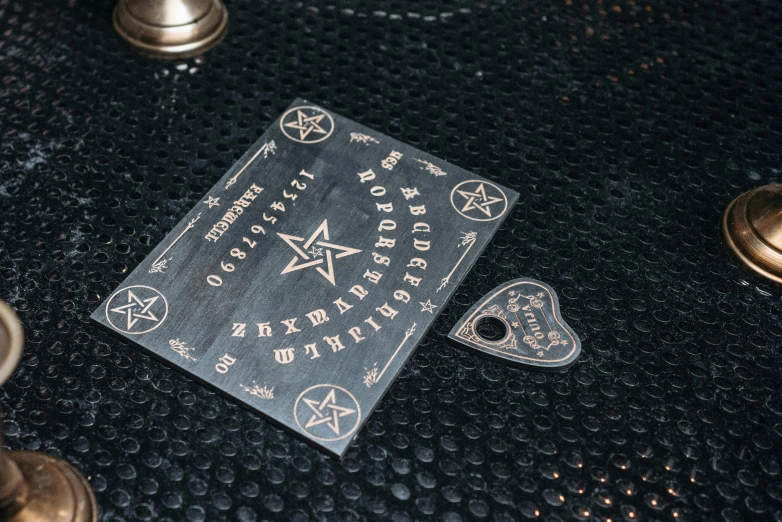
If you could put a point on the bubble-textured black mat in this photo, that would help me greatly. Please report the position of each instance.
(627, 127)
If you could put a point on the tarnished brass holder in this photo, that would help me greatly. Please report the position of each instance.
(35, 487)
(752, 226)
(171, 28)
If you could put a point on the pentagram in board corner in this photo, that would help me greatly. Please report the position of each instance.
(136, 309)
(326, 412)
(307, 124)
(479, 200)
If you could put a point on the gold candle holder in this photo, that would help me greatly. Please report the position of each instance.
(171, 28)
(35, 487)
(752, 227)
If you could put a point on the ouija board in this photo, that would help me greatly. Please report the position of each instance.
(305, 278)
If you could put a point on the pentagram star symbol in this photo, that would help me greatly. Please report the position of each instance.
(428, 306)
(541, 294)
(315, 252)
(132, 309)
(478, 200)
(305, 125)
(212, 202)
(303, 259)
(327, 412)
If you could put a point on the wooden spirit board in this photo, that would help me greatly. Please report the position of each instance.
(306, 276)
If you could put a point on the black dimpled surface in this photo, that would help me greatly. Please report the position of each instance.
(626, 126)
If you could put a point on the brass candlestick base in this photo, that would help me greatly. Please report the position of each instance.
(171, 28)
(35, 487)
(752, 226)
(55, 491)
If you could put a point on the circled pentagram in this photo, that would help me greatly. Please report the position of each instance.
(479, 200)
(307, 124)
(327, 412)
(136, 309)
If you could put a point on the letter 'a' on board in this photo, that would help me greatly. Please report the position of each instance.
(520, 323)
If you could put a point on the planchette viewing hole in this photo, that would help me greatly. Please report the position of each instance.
(491, 329)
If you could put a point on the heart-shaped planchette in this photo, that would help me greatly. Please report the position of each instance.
(520, 323)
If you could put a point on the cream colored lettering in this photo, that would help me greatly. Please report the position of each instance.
(418, 263)
(342, 305)
(335, 343)
(359, 291)
(414, 281)
(421, 245)
(318, 317)
(384, 242)
(291, 324)
(233, 213)
(373, 276)
(239, 329)
(366, 176)
(387, 311)
(284, 355)
(386, 224)
(401, 295)
(410, 193)
(264, 329)
(381, 260)
(371, 322)
(312, 348)
(529, 315)
(391, 160)
(355, 332)
(213, 235)
(225, 361)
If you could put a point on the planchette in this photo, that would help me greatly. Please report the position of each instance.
(519, 322)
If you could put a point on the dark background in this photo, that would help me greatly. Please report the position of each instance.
(627, 127)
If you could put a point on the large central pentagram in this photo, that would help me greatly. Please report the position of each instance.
(315, 253)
